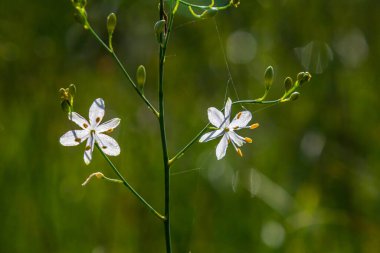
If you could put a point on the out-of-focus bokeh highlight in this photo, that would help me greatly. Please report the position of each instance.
(309, 182)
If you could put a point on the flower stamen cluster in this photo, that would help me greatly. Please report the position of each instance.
(226, 129)
(93, 132)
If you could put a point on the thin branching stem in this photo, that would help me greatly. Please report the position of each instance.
(204, 7)
(134, 192)
(125, 72)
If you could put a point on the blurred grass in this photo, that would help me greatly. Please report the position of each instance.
(320, 154)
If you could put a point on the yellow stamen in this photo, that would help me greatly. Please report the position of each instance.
(78, 140)
(239, 152)
(253, 126)
(97, 120)
(239, 115)
(87, 148)
(104, 147)
(85, 125)
(247, 139)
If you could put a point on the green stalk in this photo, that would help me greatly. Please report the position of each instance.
(161, 118)
(125, 72)
(134, 192)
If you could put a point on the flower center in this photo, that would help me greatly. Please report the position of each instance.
(226, 129)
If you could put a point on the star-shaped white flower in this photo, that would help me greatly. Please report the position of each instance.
(227, 129)
(93, 132)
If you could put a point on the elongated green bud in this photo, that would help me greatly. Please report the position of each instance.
(268, 77)
(141, 77)
(288, 83)
(294, 96)
(159, 28)
(111, 23)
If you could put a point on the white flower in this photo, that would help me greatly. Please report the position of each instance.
(227, 129)
(93, 132)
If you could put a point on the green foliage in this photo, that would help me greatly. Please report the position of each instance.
(308, 182)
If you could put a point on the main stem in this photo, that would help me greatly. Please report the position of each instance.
(163, 134)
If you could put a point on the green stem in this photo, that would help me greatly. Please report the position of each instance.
(161, 118)
(125, 72)
(134, 192)
(188, 145)
(204, 7)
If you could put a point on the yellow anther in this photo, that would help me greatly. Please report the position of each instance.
(78, 140)
(239, 152)
(104, 147)
(97, 120)
(249, 140)
(253, 126)
(85, 125)
(88, 148)
(238, 115)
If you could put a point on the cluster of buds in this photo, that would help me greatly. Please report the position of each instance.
(290, 93)
(81, 14)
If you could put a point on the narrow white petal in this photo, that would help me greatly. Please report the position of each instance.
(227, 111)
(235, 138)
(88, 149)
(222, 147)
(211, 135)
(108, 144)
(73, 137)
(96, 113)
(108, 126)
(79, 120)
(215, 117)
(241, 120)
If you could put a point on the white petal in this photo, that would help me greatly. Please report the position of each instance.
(79, 120)
(215, 117)
(108, 144)
(227, 111)
(235, 138)
(241, 120)
(73, 137)
(211, 135)
(96, 112)
(108, 126)
(222, 147)
(88, 149)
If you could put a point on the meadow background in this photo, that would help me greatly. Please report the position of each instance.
(308, 183)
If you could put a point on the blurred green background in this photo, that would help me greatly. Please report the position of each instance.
(308, 183)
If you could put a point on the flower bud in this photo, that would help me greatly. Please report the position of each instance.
(67, 98)
(268, 77)
(159, 28)
(288, 83)
(303, 77)
(111, 23)
(141, 77)
(294, 96)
